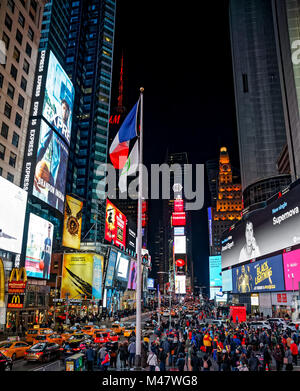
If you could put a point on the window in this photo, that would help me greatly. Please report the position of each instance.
(4, 130)
(8, 22)
(30, 33)
(15, 139)
(5, 39)
(245, 83)
(16, 54)
(21, 20)
(10, 177)
(2, 151)
(11, 91)
(26, 66)
(13, 72)
(7, 110)
(1, 80)
(19, 37)
(28, 49)
(21, 101)
(18, 120)
(33, 4)
(11, 5)
(12, 159)
(23, 83)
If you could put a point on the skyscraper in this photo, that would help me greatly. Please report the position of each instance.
(258, 96)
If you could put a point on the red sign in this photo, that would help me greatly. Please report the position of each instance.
(115, 225)
(178, 205)
(17, 286)
(178, 218)
(144, 213)
(180, 262)
(284, 298)
(279, 297)
(238, 314)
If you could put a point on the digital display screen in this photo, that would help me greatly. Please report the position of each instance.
(179, 244)
(122, 267)
(215, 271)
(291, 265)
(132, 275)
(227, 280)
(115, 225)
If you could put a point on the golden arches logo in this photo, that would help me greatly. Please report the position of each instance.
(15, 299)
(18, 274)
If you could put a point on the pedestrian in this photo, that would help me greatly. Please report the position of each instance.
(294, 351)
(206, 363)
(90, 355)
(288, 360)
(105, 362)
(123, 354)
(152, 360)
(180, 363)
(278, 357)
(131, 351)
(195, 361)
(114, 355)
(162, 357)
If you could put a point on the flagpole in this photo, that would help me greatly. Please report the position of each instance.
(139, 246)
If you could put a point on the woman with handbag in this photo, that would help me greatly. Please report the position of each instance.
(152, 361)
(288, 360)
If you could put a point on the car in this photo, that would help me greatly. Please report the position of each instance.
(76, 343)
(66, 334)
(113, 337)
(90, 329)
(31, 334)
(6, 363)
(118, 327)
(278, 321)
(260, 324)
(101, 338)
(43, 352)
(14, 349)
(55, 338)
(128, 330)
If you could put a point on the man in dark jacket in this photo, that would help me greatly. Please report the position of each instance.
(180, 363)
(90, 355)
(253, 363)
(162, 356)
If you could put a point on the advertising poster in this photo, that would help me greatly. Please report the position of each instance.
(291, 265)
(266, 230)
(145, 278)
(39, 247)
(131, 235)
(180, 286)
(132, 275)
(262, 276)
(227, 280)
(150, 283)
(178, 231)
(77, 275)
(59, 99)
(110, 272)
(180, 263)
(215, 271)
(98, 262)
(122, 267)
(178, 219)
(72, 223)
(13, 201)
(179, 244)
(115, 225)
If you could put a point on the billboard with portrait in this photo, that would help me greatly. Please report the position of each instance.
(215, 271)
(115, 225)
(227, 280)
(265, 275)
(110, 272)
(263, 231)
(132, 275)
(39, 247)
(291, 265)
(72, 223)
(13, 201)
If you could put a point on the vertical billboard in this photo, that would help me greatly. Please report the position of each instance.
(115, 225)
(72, 223)
(180, 285)
(291, 265)
(111, 268)
(178, 219)
(227, 280)
(180, 263)
(13, 201)
(150, 284)
(39, 247)
(132, 275)
(178, 205)
(82, 275)
(215, 271)
(179, 244)
(131, 236)
(122, 268)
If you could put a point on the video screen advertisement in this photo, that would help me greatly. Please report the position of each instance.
(110, 272)
(49, 130)
(180, 285)
(180, 263)
(132, 275)
(82, 275)
(13, 201)
(265, 275)
(122, 269)
(291, 265)
(266, 230)
(131, 230)
(150, 284)
(115, 225)
(215, 271)
(72, 223)
(39, 247)
(227, 280)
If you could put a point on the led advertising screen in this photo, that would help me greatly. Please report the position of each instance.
(39, 247)
(178, 231)
(215, 271)
(266, 230)
(227, 280)
(178, 205)
(291, 265)
(180, 263)
(180, 285)
(261, 276)
(131, 236)
(115, 225)
(59, 99)
(179, 244)
(217, 294)
(145, 278)
(13, 201)
(72, 223)
(150, 283)
(178, 219)
(80, 271)
(122, 267)
(132, 275)
(51, 168)
(110, 272)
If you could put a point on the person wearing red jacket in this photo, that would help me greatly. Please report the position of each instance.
(105, 363)
(294, 351)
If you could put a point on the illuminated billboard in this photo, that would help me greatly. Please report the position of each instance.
(178, 231)
(178, 219)
(72, 223)
(180, 263)
(215, 271)
(122, 268)
(227, 280)
(178, 205)
(180, 285)
(82, 275)
(261, 276)
(291, 265)
(13, 201)
(264, 231)
(110, 272)
(150, 284)
(217, 294)
(132, 275)
(39, 247)
(131, 236)
(179, 244)
(115, 225)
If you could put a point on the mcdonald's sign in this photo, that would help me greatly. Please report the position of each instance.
(15, 301)
(17, 280)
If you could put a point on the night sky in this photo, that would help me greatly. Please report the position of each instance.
(182, 57)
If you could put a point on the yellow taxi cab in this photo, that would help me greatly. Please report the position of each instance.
(128, 330)
(90, 329)
(66, 334)
(118, 328)
(14, 349)
(52, 338)
(31, 334)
